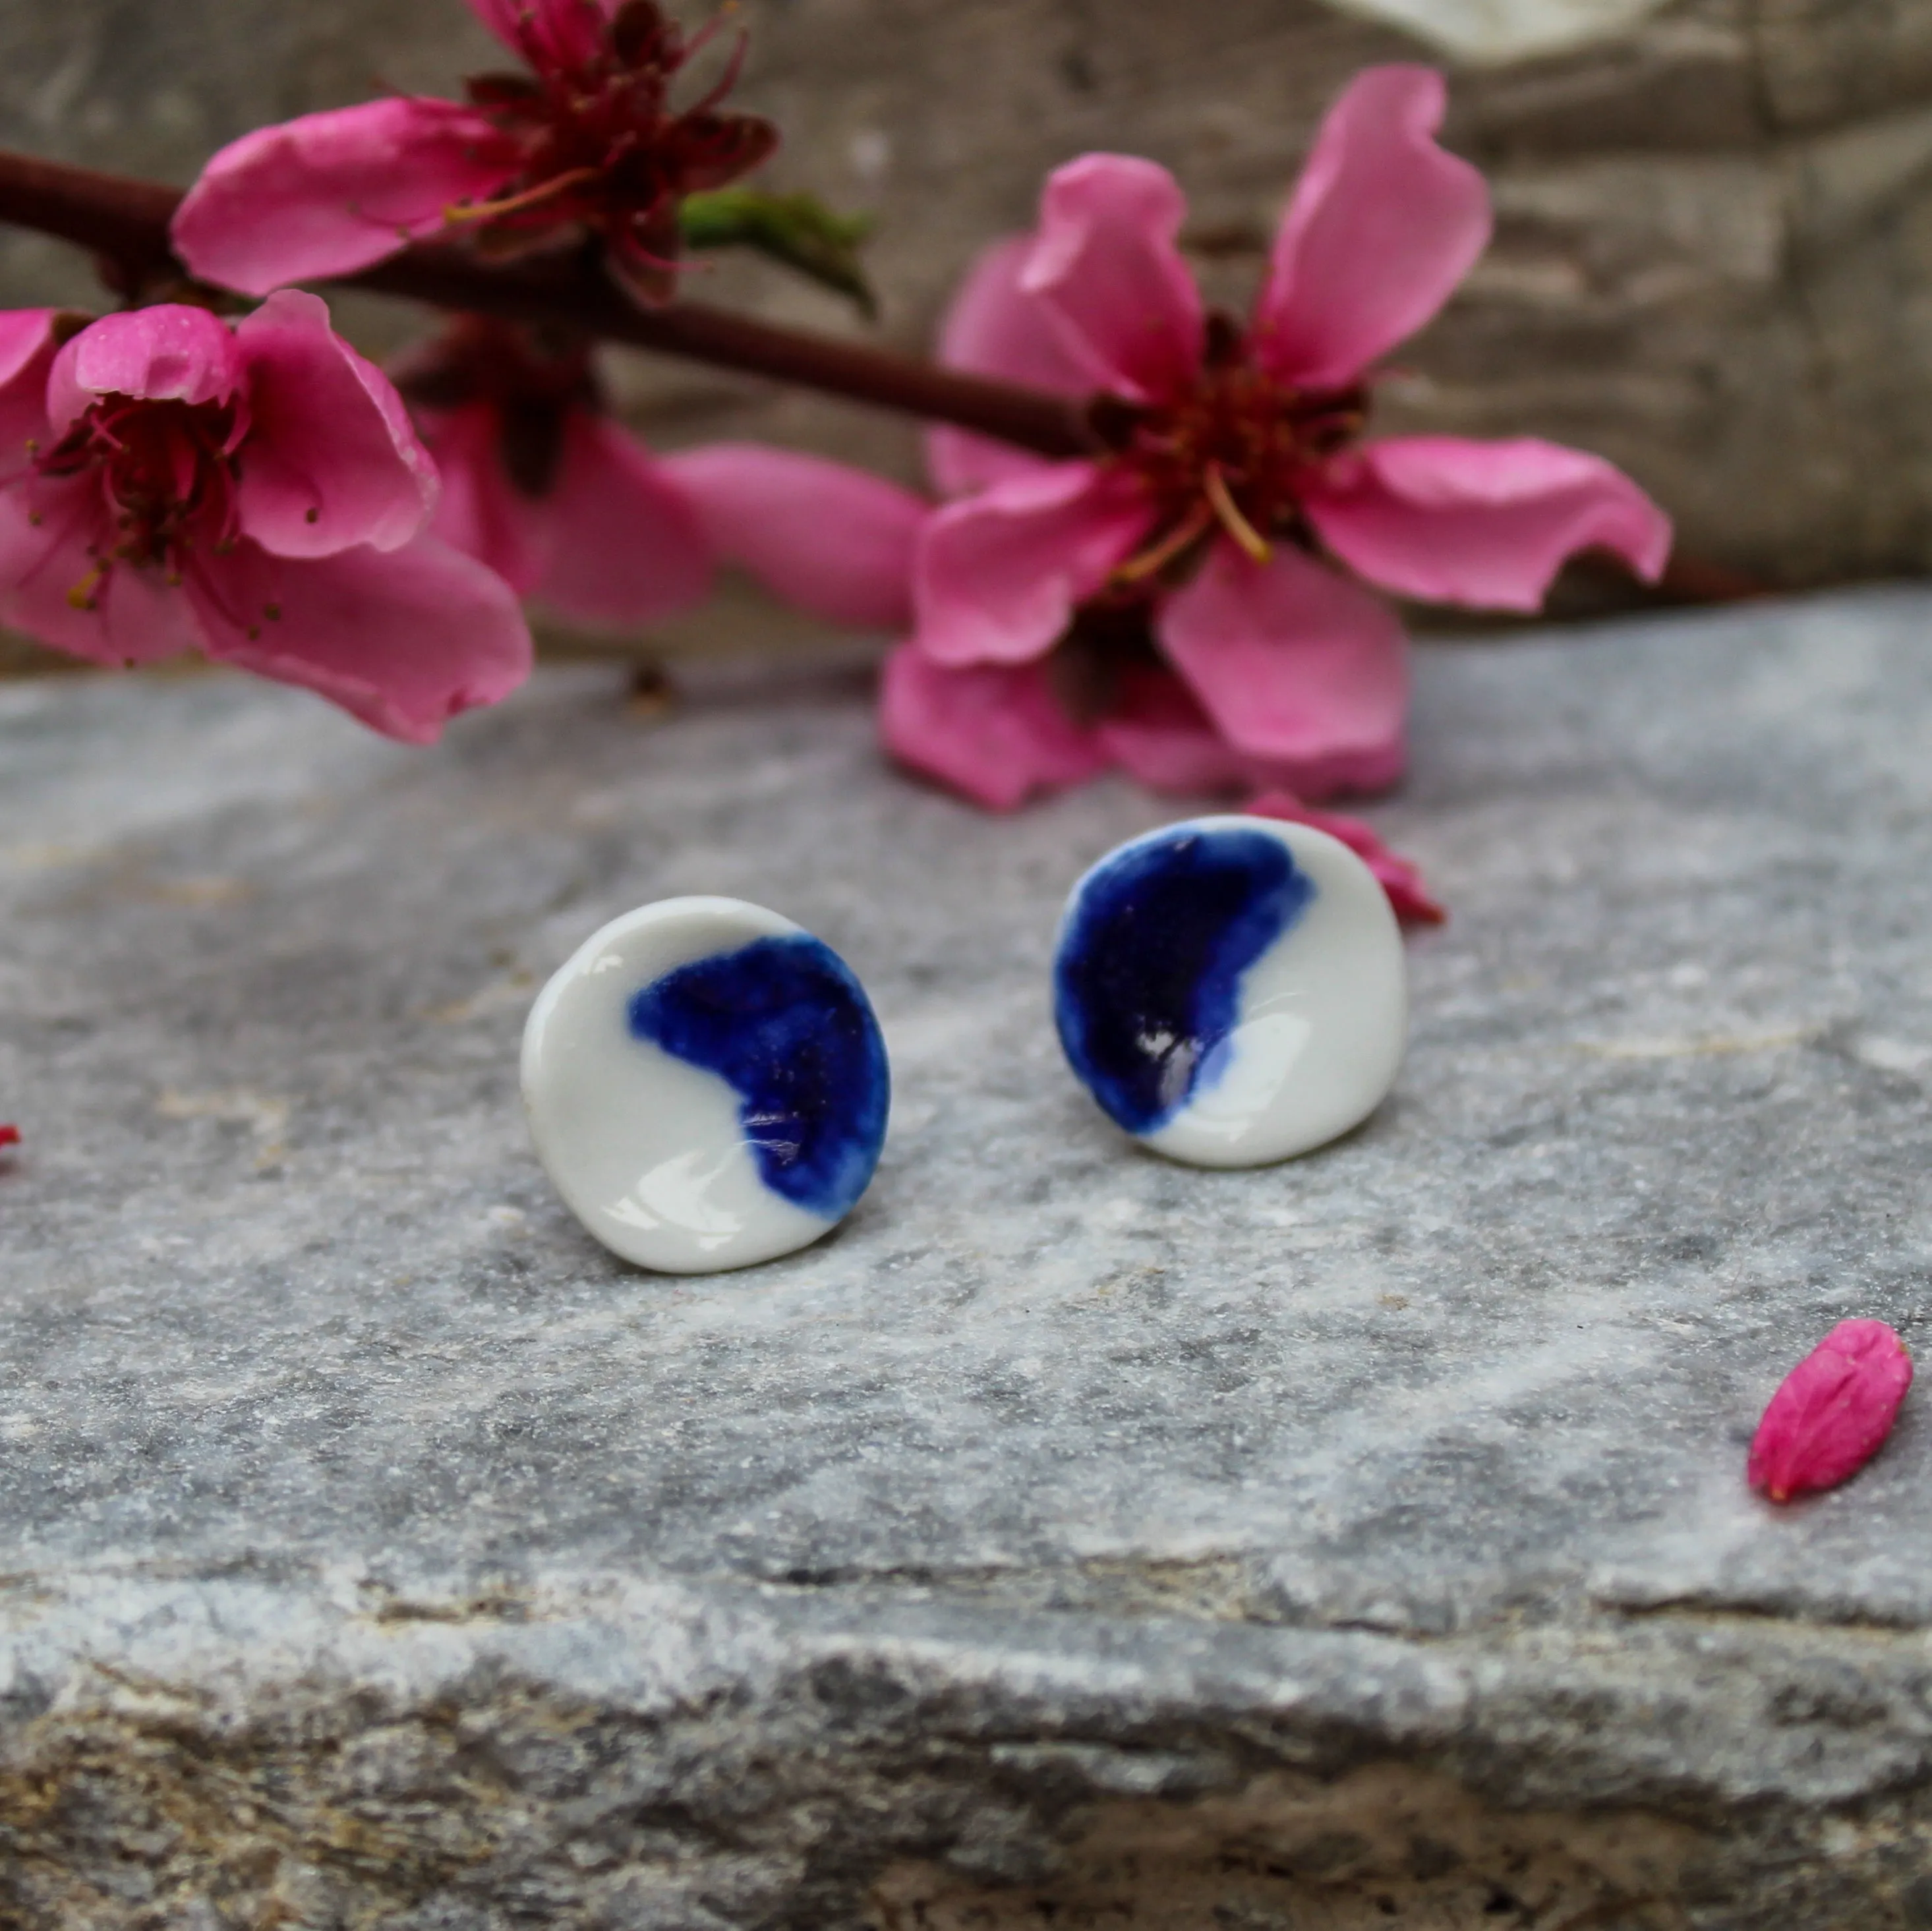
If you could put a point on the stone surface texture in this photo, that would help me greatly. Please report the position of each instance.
(1073, 1538)
(1713, 261)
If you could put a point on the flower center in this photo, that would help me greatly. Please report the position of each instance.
(168, 471)
(1232, 452)
(531, 382)
(601, 142)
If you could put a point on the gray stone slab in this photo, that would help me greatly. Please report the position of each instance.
(1072, 1530)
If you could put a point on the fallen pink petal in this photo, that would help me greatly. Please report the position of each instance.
(1399, 877)
(1832, 1413)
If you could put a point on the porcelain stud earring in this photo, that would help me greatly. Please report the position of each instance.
(706, 1085)
(1231, 990)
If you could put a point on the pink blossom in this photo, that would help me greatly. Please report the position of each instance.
(167, 483)
(1399, 878)
(539, 483)
(543, 484)
(1832, 1411)
(1187, 604)
(587, 140)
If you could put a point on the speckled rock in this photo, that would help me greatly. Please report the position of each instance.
(1073, 1534)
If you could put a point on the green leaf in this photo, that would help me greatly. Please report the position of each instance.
(798, 230)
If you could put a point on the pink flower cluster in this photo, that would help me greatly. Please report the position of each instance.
(261, 494)
(258, 493)
(1193, 603)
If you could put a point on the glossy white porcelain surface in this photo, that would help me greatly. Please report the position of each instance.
(666, 1161)
(1231, 990)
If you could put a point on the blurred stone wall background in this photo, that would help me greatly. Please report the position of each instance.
(1714, 255)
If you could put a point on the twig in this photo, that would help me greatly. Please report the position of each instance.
(126, 223)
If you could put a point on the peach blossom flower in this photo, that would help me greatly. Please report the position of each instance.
(541, 483)
(586, 139)
(1189, 605)
(168, 483)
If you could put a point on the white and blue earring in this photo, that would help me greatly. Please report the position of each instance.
(1231, 990)
(706, 1085)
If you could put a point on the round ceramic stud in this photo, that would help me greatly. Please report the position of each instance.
(1231, 990)
(706, 1084)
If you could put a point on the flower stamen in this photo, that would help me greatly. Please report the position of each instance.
(460, 211)
(598, 142)
(708, 31)
(1228, 512)
(734, 67)
(1151, 561)
(169, 482)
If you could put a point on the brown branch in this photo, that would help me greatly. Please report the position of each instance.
(126, 222)
(573, 289)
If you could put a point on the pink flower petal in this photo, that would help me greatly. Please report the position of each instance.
(331, 192)
(1832, 1412)
(499, 16)
(1485, 524)
(833, 540)
(128, 616)
(1156, 731)
(995, 732)
(615, 543)
(331, 459)
(1399, 877)
(481, 511)
(624, 545)
(1295, 664)
(1105, 264)
(402, 639)
(992, 328)
(1383, 225)
(168, 353)
(561, 33)
(26, 353)
(996, 576)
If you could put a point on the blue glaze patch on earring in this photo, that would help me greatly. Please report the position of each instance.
(1147, 981)
(784, 1022)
